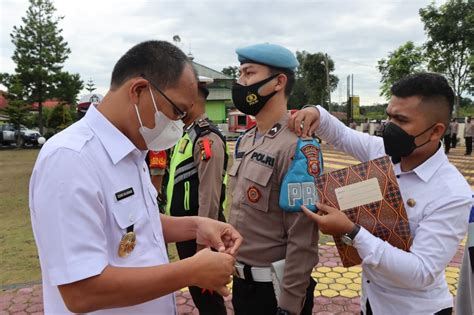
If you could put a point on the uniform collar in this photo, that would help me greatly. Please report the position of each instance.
(427, 169)
(275, 130)
(115, 142)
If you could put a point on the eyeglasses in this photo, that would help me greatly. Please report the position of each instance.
(178, 112)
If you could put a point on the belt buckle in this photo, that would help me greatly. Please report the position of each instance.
(236, 272)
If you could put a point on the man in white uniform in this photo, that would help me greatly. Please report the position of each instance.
(437, 198)
(100, 237)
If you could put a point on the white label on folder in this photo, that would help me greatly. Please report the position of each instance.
(358, 194)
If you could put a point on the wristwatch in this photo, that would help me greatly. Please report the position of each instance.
(348, 238)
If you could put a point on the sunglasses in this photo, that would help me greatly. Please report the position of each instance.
(178, 112)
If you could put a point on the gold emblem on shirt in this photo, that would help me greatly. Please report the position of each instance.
(127, 244)
(411, 202)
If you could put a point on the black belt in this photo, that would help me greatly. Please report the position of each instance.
(446, 311)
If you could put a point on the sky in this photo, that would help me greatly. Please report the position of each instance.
(354, 33)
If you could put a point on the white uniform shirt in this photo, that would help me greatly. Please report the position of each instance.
(395, 281)
(77, 219)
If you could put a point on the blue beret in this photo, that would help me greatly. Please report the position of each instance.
(268, 54)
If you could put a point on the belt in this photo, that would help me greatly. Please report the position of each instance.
(259, 274)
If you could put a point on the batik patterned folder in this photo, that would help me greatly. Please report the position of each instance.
(386, 218)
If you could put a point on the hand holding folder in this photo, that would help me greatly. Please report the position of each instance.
(369, 195)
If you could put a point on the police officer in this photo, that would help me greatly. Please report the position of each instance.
(157, 163)
(93, 208)
(196, 185)
(262, 157)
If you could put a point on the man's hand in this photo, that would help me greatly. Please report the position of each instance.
(218, 235)
(304, 122)
(330, 220)
(212, 270)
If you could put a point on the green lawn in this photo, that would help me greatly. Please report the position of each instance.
(18, 255)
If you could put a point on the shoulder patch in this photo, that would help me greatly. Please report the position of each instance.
(205, 148)
(311, 152)
(203, 123)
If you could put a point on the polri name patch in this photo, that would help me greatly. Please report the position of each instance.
(124, 194)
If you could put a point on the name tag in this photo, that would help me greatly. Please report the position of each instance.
(263, 158)
(124, 194)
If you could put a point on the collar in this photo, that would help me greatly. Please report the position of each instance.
(427, 169)
(113, 140)
(276, 129)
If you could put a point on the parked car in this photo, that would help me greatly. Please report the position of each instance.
(23, 137)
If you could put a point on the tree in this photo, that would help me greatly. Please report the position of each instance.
(312, 74)
(450, 30)
(40, 52)
(60, 118)
(405, 60)
(67, 87)
(90, 86)
(231, 71)
(17, 110)
(299, 95)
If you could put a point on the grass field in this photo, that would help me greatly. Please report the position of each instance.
(18, 256)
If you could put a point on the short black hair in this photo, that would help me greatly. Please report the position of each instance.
(159, 61)
(428, 85)
(290, 78)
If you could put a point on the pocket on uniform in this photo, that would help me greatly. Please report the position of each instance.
(125, 215)
(258, 186)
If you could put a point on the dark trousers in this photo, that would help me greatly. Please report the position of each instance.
(454, 140)
(468, 145)
(207, 303)
(258, 298)
(447, 143)
(446, 311)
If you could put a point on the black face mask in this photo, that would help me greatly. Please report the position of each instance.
(247, 99)
(398, 142)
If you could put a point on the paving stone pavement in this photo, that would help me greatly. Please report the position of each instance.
(338, 288)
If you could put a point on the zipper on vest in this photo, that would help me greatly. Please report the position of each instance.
(187, 189)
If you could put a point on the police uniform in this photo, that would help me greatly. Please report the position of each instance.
(90, 186)
(269, 234)
(199, 157)
(157, 162)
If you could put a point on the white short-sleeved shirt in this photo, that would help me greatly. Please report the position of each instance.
(79, 218)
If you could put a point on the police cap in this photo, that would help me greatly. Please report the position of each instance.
(268, 54)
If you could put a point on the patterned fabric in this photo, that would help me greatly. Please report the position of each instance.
(386, 219)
